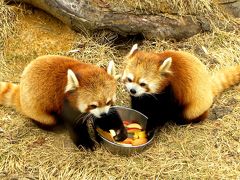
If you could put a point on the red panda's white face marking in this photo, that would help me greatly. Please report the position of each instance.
(134, 88)
(93, 92)
(139, 86)
(100, 111)
(97, 108)
(82, 107)
(145, 73)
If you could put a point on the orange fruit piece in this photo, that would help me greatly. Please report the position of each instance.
(139, 141)
(105, 134)
(127, 141)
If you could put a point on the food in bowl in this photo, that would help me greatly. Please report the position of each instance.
(133, 116)
(136, 135)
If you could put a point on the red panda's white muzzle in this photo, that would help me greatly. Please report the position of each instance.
(134, 89)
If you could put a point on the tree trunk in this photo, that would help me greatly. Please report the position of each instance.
(231, 6)
(91, 15)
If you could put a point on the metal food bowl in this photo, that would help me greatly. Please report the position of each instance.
(131, 115)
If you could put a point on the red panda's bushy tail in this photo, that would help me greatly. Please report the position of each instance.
(10, 95)
(225, 78)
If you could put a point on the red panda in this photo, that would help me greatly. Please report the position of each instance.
(173, 85)
(48, 82)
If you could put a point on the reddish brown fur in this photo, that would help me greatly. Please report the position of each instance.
(191, 83)
(43, 83)
(9, 94)
(225, 78)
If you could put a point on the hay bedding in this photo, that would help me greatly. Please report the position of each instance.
(210, 149)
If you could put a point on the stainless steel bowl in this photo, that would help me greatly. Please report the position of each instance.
(128, 114)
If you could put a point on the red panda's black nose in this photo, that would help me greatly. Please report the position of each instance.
(133, 91)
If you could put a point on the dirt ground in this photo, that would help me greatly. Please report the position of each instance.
(207, 150)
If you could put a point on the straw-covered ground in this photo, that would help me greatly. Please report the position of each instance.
(208, 150)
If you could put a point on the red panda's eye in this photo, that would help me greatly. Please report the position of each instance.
(129, 80)
(142, 84)
(93, 106)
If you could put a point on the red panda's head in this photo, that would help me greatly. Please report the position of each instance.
(145, 72)
(92, 89)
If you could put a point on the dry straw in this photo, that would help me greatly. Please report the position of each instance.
(208, 150)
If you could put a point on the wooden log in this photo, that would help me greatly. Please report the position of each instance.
(231, 6)
(89, 15)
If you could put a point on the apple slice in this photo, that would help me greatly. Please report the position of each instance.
(134, 125)
(112, 132)
(125, 123)
(133, 130)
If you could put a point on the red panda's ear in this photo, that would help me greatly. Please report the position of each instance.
(165, 67)
(111, 68)
(112, 71)
(133, 50)
(72, 81)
